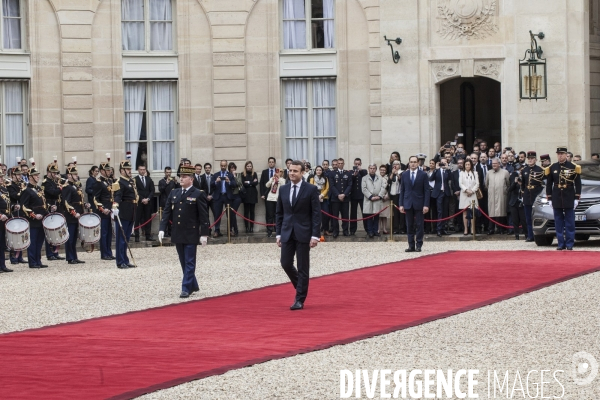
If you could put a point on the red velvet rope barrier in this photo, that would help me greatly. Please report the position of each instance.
(355, 220)
(249, 220)
(147, 222)
(496, 222)
(218, 219)
(443, 219)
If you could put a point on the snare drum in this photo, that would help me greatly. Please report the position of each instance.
(55, 229)
(17, 234)
(89, 228)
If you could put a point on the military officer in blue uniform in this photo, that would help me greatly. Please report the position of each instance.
(52, 193)
(34, 206)
(15, 189)
(5, 214)
(103, 199)
(532, 182)
(187, 209)
(72, 199)
(340, 184)
(563, 189)
(125, 203)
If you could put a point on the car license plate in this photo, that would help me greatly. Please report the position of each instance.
(580, 217)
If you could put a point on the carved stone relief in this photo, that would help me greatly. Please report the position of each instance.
(489, 69)
(443, 71)
(467, 18)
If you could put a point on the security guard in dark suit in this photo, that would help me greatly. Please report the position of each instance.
(165, 186)
(5, 209)
(103, 199)
(340, 183)
(124, 206)
(34, 206)
(563, 189)
(15, 189)
(532, 181)
(52, 193)
(356, 194)
(187, 209)
(72, 199)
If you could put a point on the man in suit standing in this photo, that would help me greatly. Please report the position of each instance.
(165, 186)
(198, 176)
(223, 183)
(298, 228)
(187, 208)
(441, 192)
(455, 181)
(414, 202)
(482, 169)
(356, 195)
(263, 191)
(145, 187)
(340, 185)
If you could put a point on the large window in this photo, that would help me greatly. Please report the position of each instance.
(309, 119)
(308, 24)
(12, 109)
(150, 123)
(147, 25)
(11, 24)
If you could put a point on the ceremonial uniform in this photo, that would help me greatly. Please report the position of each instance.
(187, 209)
(563, 188)
(164, 189)
(103, 199)
(531, 185)
(4, 210)
(14, 191)
(72, 198)
(356, 199)
(340, 182)
(52, 193)
(126, 199)
(33, 203)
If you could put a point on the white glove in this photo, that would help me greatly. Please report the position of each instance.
(161, 235)
(576, 203)
(549, 203)
(203, 240)
(115, 213)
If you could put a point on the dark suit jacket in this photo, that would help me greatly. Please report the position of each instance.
(479, 170)
(437, 187)
(216, 187)
(455, 181)
(415, 195)
(303, 218)
(189, 215)
(197, 183)
(263, 190)
(144, 192)
(514, 190)
(204, 185)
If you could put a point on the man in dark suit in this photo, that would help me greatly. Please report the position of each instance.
(298, 228)
(340, 185)
(198, 176)
(482, 169)
(145, 188)
(165, 186)
(186, 207)
(441, 192)
(222, 184)
(356, 194)
(414, 202)
(455, 181)
(263, 191)
(206, 185)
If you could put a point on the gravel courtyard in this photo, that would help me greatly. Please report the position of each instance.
(537, 331)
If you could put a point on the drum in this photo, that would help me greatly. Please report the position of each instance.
(89, 228)
(55, 229)
(17, 234)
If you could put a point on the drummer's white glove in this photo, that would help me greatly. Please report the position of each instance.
(161, 235)
(576, 203)
(549, 203)
(115, 213)
(53, 208)
(87, 205)
(39, 216)
(3, 218)
(203, 240)
(77, 215)
(17, 207)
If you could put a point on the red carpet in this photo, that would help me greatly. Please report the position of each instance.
(127, 355)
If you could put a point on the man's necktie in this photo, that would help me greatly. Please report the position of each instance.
(270, 173)
(442, 179)
(223, 182)
(412, 178)
(143, 181)
(294, 195)
(208, 182)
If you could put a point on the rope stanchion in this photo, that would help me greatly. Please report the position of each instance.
(355, 220)
(443, 219)
(494, 221)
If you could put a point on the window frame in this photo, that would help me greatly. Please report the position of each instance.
(147, 34)
(310, 107)
(25, 87)
(149, 124)
(308, 22)
(22, 11)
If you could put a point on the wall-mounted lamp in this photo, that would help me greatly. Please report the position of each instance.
(532, 71)
(395, 55)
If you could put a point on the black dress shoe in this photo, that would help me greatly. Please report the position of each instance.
(444, 232)
(377, 234)
(106, 258)
(59, 258)
(409, 250)
(439, 234)
(113, 257)
(418, 249)
(297, 306)
(72, 262)
(269, 234)
(335, 234)
(34, 266)
(560, 248)
(6, 269)
(78, 261)
(131, 266)
(516, 237)
(184, 295)
(23, 262)
(346, 234)
(529, 240)
(352, 233)
(14, 262)
(395, 232)
(150, 238)
(569, 248)
(52, 258)
(43, 266)
(490, 233)
(123, 266)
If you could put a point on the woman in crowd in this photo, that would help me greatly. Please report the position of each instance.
(469, 183)
(395, 156)
(249, 181)
(273, 185)
(431, 226)
(373, 191)
(89, 185)
(385, 185)
(322, 183)
(237, 199)
(394, 178)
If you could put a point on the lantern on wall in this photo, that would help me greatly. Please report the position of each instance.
(532, 71)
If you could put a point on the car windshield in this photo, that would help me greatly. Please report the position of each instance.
(590, 172)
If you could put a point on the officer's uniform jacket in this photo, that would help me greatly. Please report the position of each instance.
(103, 195)
(164, 188)
(72, 198)
(51, 191)
(14, 190)
(126, 198)
(563, 184)
(33, 202)
(4, 204)
(340, 183)
(189, 215)
(532, 181)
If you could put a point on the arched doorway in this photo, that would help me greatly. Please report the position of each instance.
(471, 106)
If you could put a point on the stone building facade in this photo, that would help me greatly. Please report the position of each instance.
(248, 79)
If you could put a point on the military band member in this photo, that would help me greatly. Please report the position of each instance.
(52, 193)
(72, 198)
(33, 204)
(124, 206)
(563, 189)
(532, 182)
(340, 183)
(15, 189)
(165, 186)
(103, 199)
(5, 214)
(187, 208)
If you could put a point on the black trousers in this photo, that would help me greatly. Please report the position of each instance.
(414, 227)
(299, 277)
(483, 204)
(399, 221)
(517, 215)
(249, 213)
(142, 215)
(354, 204)
(492, 226)
(338, 208)
(441, 204)
(271, 207)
